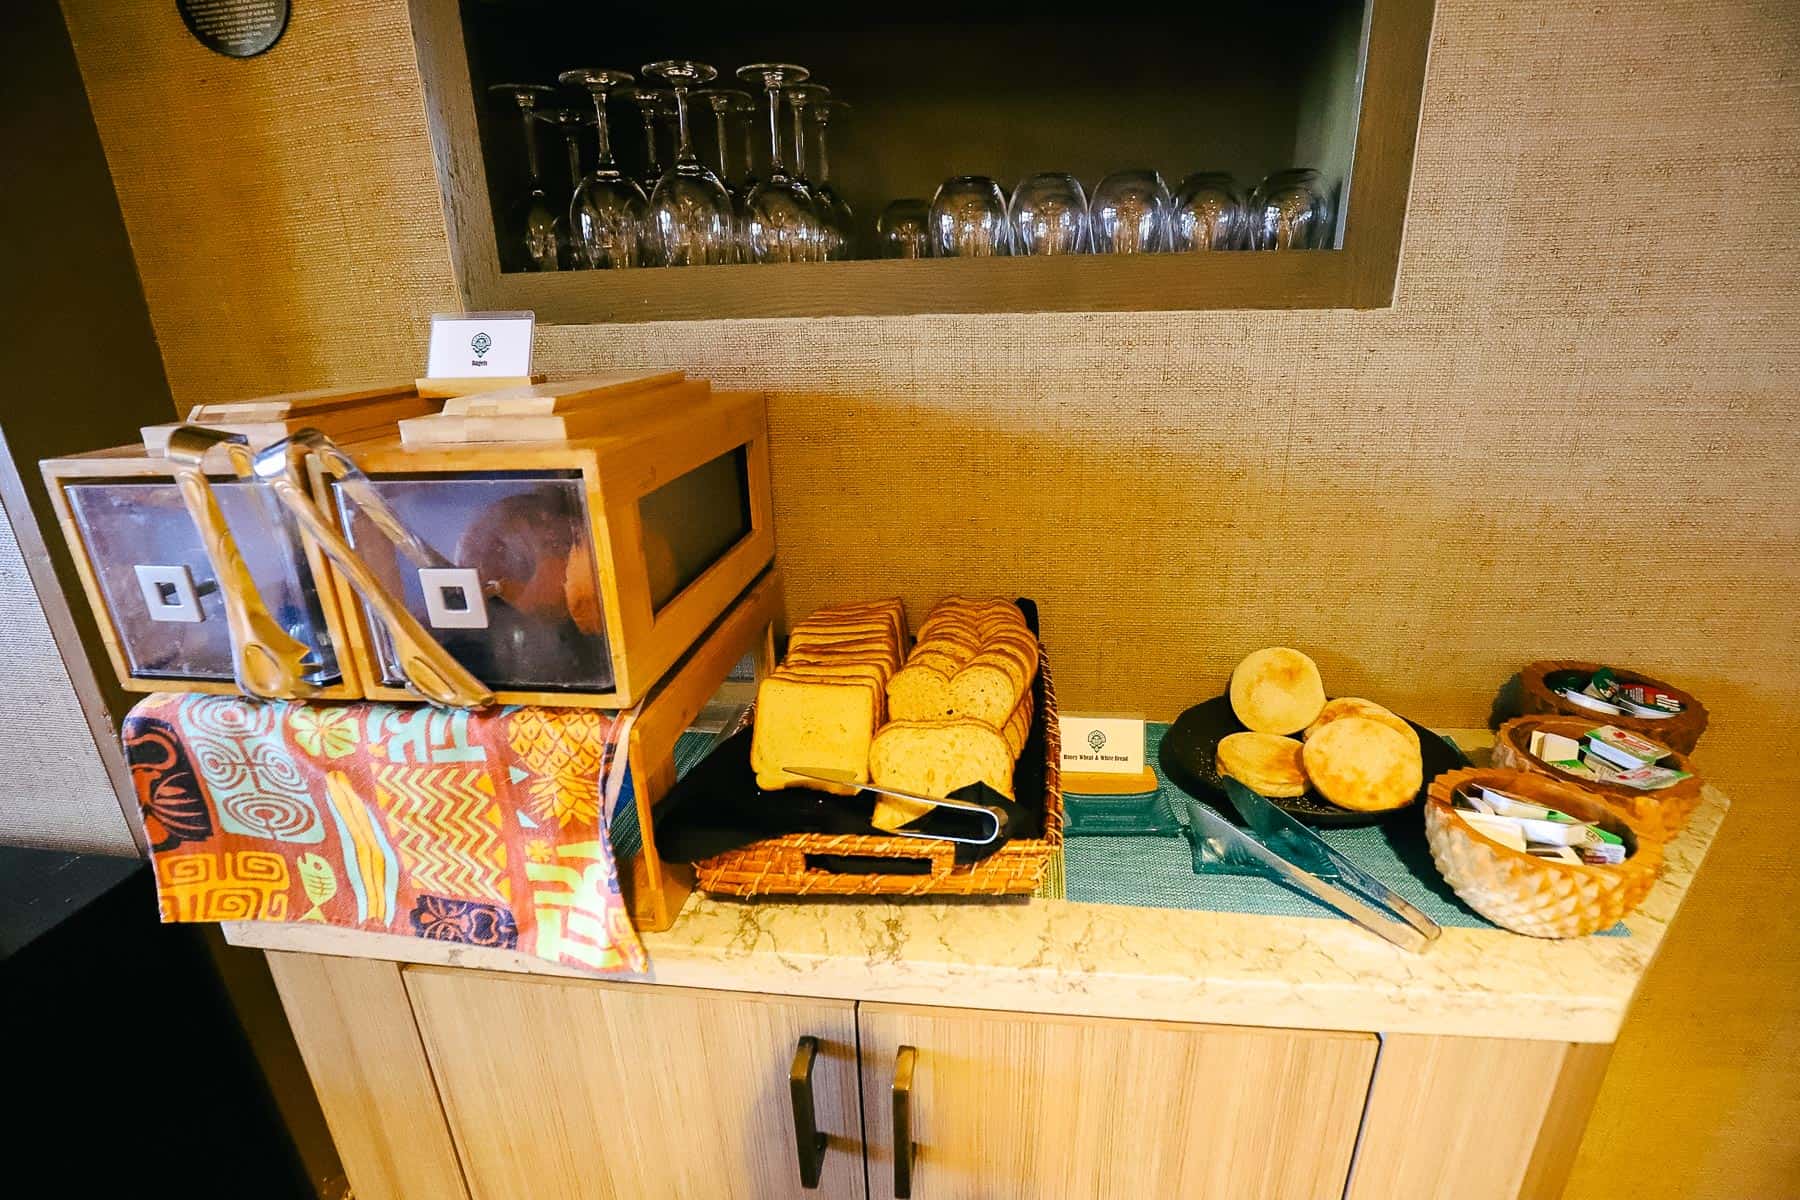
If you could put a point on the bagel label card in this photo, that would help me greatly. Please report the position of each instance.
(1102, 745)
(480, 345)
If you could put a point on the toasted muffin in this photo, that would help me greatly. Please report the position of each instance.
(1266, 763)
(1362, 764)
(1354, 706)
(1277, 690)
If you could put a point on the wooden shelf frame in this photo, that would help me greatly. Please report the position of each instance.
(1361, 275)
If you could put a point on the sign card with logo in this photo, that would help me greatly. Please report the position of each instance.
(480, 345)
(1104, 756)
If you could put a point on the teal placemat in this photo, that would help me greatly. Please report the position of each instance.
(1157, 872)
(627, 838)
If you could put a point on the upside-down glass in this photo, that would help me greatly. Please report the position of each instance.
(1287, 211)
(1209, 214)
(690, 210)
(833, 208)
(651, 105)
(727, 104)
(801, 98)
(904, 229)
(1129, 213)
(1049, 215)
(569, 122)
(968, 219)
(608, 209)
(784, 227)
(529, 241)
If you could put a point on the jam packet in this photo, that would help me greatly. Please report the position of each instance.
(1624, 748)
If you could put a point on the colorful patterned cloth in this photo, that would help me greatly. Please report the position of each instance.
(484, 828)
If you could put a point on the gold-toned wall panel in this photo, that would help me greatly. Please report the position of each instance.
(1574, 433)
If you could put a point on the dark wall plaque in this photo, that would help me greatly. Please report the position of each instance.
(235, 28)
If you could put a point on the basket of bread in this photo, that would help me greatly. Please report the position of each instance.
(856, 733)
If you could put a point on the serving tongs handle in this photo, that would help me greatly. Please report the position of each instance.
(429, 668)
(267, 661)
(996, 817)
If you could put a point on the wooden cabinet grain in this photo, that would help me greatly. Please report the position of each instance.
(559, 1089)
(1008, 1107)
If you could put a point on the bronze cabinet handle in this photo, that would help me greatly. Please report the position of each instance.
(903, 1139)
(809, 1143)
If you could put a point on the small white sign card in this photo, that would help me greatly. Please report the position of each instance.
(1102, 745)
(473, 345)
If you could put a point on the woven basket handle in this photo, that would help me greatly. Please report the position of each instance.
(940, 856)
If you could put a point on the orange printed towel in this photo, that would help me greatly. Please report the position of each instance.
(484, 828)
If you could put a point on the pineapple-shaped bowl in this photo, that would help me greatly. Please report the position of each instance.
(1535, 896)
(1540, 682)
(1661, 812)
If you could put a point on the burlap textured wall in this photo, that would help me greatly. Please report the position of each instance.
(1574, 434)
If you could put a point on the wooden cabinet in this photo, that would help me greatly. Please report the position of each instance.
(556, 1089)
(1006, 1107)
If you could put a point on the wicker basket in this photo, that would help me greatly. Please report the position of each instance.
(790, 865)
(1680, 731)
(1535, 896)
(1662, 812)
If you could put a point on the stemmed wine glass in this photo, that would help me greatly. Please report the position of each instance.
(533, 245)
(1209, 214)
(608, 210)
(968, 219)
(1049, 215)
(904, 229)
(834, 210)
(783, 224)
(801, 98)
(726, 105)
(651, 104)
(569, 122)
(1287, 211)
(690, 210)
(1129, 213)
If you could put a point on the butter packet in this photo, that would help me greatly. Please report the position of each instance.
(1624, 747)
(1650, 779)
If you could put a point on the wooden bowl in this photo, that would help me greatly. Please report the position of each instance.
(1535, 896)
(1661, 813)
(1680, 731)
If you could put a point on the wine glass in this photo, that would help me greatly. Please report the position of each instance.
(690, 210)
(904, 229)
(726, 105)
(651, 104)
(1129, 213)
(968, 219)
(1049, 215)
(1209, 214)
(531, 244)
(569, 122)
(833, 208)
(1287, 211)
(784, 227)
(608, 210)
(801, 98)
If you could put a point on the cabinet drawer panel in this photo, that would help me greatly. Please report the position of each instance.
(561, 1089)
(1011, 1107)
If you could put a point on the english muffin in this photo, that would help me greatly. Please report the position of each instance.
(1266, 763)
(1354, 706)
(1277, 690)
(1361, 764)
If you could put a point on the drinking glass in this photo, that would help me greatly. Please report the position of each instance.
(904, 229)
(1129, 213)
(784, 226)
(1287, 211)
(726, 105)
(690, 210)
(833, 208)
(801, 99)
(608, 210)
(569, 122)
(968, 219)
(1209, 214)
(651, 105)
(1049, 215)
(530, 241)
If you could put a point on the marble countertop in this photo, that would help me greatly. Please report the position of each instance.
(1054, 956)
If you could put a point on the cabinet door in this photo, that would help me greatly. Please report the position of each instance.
(1006, 1107)
(575, 1089)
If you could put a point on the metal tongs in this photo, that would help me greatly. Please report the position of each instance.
(1299, 857)
(267, 662)
(845, 779)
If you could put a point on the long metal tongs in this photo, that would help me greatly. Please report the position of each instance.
(1299, 857)
(845, 778)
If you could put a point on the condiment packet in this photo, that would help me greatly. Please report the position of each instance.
(1599, 770)
(1583, 700)
(1553, 853)
(1650, 779)
(1623, 747)
(1502, 830)
(1603, 854)
(1648, 700)
(1575, 767)
(1602, 685)
(1553, 747)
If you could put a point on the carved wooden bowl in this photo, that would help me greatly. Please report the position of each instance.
(1535, 896)
(1661, 812)
(1538, 695)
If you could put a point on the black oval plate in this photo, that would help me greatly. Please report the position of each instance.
(1191, 745)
